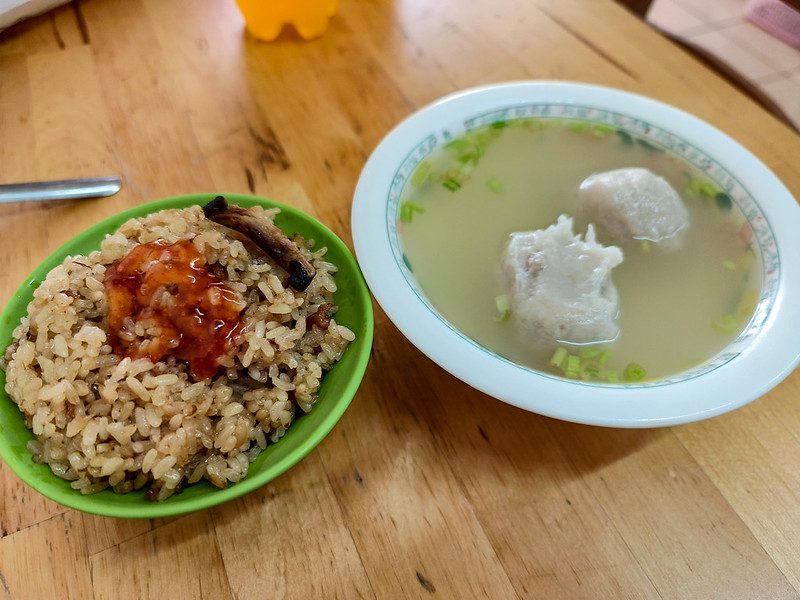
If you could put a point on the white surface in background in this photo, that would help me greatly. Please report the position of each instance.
(720, 28)
(12, 11)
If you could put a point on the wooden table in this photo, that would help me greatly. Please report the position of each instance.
(426, 488)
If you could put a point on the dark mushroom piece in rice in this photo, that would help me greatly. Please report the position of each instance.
(266, 236)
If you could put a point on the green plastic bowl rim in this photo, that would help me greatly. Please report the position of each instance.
(17, 305)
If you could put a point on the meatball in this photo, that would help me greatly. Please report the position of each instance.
(560, 286)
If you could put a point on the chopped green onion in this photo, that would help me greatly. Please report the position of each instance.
(580, 126)
(634, 372)
(591, 368)
(471, 156)
(625, 137)
(588, 352)
(503, 308)
(451, 184)
(589, 365)
(559, 356)
(458, 144)
(469, 149)
(694, 186)
(421, 173)
(531, 123)
(573, 363)
(723, 201)
(748, 303)
(702, 187)
(407, 263)
(602, 130)
(495, 185)
(727, 323)
(407, 210)
(483, 137)
(466, 168)
(729, 265)
(645, 246)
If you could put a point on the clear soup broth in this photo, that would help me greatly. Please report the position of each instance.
(677, 308)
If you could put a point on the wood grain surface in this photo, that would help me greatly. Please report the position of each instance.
(426, 488)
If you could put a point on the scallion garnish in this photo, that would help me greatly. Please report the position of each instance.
(589, 352)
(559, 356)
(748, 303)
(589, 364)
(726, 323)
(625, 137)
(466, 168)
(451, 184)
(723, 201)
(459, 144)
(699, 186)
(634, 372)
(407, 210)
(468, 149)
(495, 185)
(421, 173)
(591, 368)
(601, 130)
(503, 308)
(573, 364)
(532, 123)
(580, 126)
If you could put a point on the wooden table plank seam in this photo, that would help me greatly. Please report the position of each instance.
(231, 592)
(611, 521)
(351, 486)
(22, 530)
(152, 529)
(520, 586)
(357, 547)
(589, 44)
(791, 578)
(460, 481)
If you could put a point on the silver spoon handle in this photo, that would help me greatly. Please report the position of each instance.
(97, 187)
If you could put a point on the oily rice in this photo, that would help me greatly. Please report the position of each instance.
(104, 420)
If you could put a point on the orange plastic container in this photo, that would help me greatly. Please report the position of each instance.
(264, 19)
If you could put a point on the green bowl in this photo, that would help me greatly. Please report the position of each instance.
(338, 387)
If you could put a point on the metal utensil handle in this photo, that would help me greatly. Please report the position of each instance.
(97, 187)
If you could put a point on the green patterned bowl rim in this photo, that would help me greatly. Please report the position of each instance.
(762, 199)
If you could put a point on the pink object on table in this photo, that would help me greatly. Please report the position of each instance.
(777, 17)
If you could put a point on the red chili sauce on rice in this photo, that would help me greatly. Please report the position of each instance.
(184, 310)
